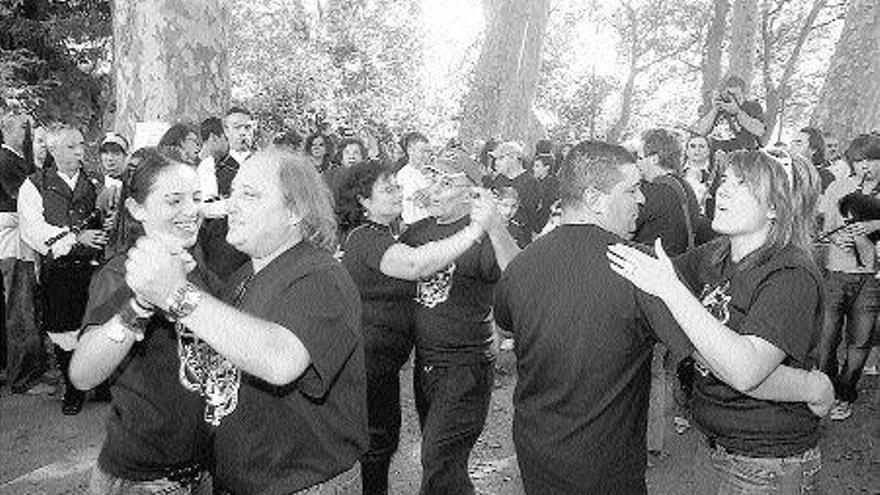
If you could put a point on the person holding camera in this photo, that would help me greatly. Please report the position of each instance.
(733, 123)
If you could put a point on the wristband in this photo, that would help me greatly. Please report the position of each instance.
(183, 302)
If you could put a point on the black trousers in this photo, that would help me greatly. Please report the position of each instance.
(452, 403)
(66, 293)
(385, 352)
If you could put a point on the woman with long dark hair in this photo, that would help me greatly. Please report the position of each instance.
(320, 147)
(369, 207)
(158, 437)
(751, 302)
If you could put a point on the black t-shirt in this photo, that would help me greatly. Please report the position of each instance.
(584, 340)
(454, 306)
(727, 134)
(155, 424)
(780, 301)
(387, 302)
(662, 215)
(283, 439)
(549, 187)
(526, 219)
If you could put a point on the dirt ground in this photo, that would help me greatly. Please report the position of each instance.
(45, 453)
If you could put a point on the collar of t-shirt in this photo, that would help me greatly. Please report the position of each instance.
(12, 150)
(70, 181)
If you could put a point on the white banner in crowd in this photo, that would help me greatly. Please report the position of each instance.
(148, 133)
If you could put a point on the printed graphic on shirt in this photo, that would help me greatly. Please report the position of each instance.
(716, 300)
(206, 372)
(434, 290)
(724, 129)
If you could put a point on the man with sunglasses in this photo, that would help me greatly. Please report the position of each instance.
(454, 352)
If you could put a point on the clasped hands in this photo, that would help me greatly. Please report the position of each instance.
(156, 269)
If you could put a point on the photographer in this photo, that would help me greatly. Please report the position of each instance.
(733, 123)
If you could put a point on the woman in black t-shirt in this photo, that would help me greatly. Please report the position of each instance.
(369, 204)
(753, 323)
(158, 436)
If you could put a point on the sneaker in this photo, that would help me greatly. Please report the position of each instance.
(841, 411)
(870, 370)
(681, 424)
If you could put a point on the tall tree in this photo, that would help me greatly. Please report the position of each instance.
(743, 36)
(772, 39)
(850, 101)
(710, 65)
(500, 99)
(170, 60)
(652, 34)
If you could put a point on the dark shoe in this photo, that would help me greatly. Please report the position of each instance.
(72, 403)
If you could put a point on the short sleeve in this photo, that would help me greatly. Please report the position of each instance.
(314, 310)
(663, 326)
(107, 293)
(753, 109)
(501, 309)
(489, 268)
(370, 245)
(784, 312)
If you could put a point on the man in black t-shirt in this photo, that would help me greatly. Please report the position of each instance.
(584, 352)
(733, 123)
(454, 360)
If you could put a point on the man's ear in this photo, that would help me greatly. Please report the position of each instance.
(595, 200)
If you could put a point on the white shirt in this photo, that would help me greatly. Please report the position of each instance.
(240, 156)
(34, 229)
(410, 181)
(840, 259)
(208, 178)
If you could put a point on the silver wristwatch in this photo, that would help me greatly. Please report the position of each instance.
(183, 302)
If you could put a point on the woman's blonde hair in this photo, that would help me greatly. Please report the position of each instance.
(306, 193)
(790, 187)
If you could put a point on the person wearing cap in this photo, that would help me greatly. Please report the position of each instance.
(512, 174)
(369, 203)
(454, 353)
(114, 151)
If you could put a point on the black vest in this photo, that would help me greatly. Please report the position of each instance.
(13, 172)
(65, 208)
(224, 171)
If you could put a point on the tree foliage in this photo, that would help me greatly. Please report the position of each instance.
(350, 62)
(54, 58)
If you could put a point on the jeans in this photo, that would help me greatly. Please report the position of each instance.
(720, 472)
(537, 481)
(855, 298)
(452, 403)
(103, 483)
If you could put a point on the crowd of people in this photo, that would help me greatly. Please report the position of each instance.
(247, 310)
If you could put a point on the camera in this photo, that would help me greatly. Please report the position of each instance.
(726, 97)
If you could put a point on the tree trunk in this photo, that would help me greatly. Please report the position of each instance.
(850, 101)
(499, 101)
(170, 60)
(619, 127)
(777, 93)
(711, 64)
(743, 30)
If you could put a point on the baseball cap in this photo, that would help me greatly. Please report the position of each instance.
(507, 148)
(454, 161)
(112, 138)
